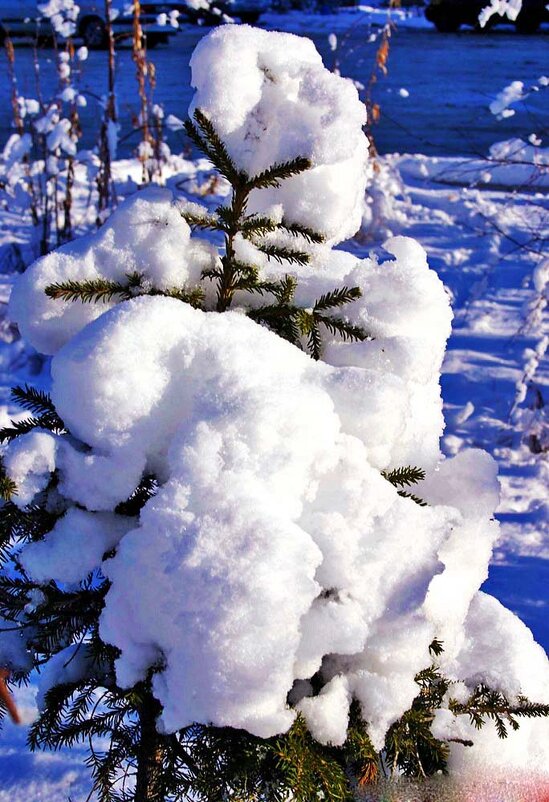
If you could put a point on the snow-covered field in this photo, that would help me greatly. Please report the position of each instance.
(485, 230)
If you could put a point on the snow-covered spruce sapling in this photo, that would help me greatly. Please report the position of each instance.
(201, 761)
(206, 762)
(205, 529)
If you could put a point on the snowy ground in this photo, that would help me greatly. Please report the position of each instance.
(485, 246)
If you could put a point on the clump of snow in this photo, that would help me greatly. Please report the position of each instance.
(248, 438)
(272, 100)
(30, 461)
(15, 149)
(500, 106)
(503, 8)
(519, 669)
(385, 206)
(147, 235)
(516, 150)
(62, 14)
(75, 546)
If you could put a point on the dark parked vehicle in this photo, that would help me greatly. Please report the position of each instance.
(449, 15)
(22, 18)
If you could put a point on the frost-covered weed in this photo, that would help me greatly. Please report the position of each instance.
(40, 157)
(383, 213)
(41, 166)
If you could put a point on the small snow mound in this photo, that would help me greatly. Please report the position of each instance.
(271, 100)
(145, 235)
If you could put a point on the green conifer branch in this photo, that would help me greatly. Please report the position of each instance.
(408, 475)
(227, 216)
(146, 489)
(410, 746)
(272, 176)
(436, 647)
(417, 499)
(528, 709)
(206, 138)
(314, 342)
(304, 319)
(257, 226)
(279, 318)
(292, 322)
(336, 298)
(103, 291)
(360, 756)
(211, 273)
(284, 290)
(21, 525)
(486, 703)
(14, 597)
(194, 297)
(310, 768)
(50, 421)
(8, 488)
(282, 254)
(265, 287)
(33, 400)
(337, 326)
(87, 292)
(297, 230)
(248, 283)
(205, 221)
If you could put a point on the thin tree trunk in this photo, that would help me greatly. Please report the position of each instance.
(148, 786)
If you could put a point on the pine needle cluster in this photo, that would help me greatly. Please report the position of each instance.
(300, 326)
(405, 477)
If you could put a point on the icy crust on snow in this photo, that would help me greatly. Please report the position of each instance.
(272, 100)
(145, 235)
(266, 484)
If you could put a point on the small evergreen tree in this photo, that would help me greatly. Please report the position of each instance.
(204, 762)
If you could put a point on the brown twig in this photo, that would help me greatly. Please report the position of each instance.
(7, 698)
